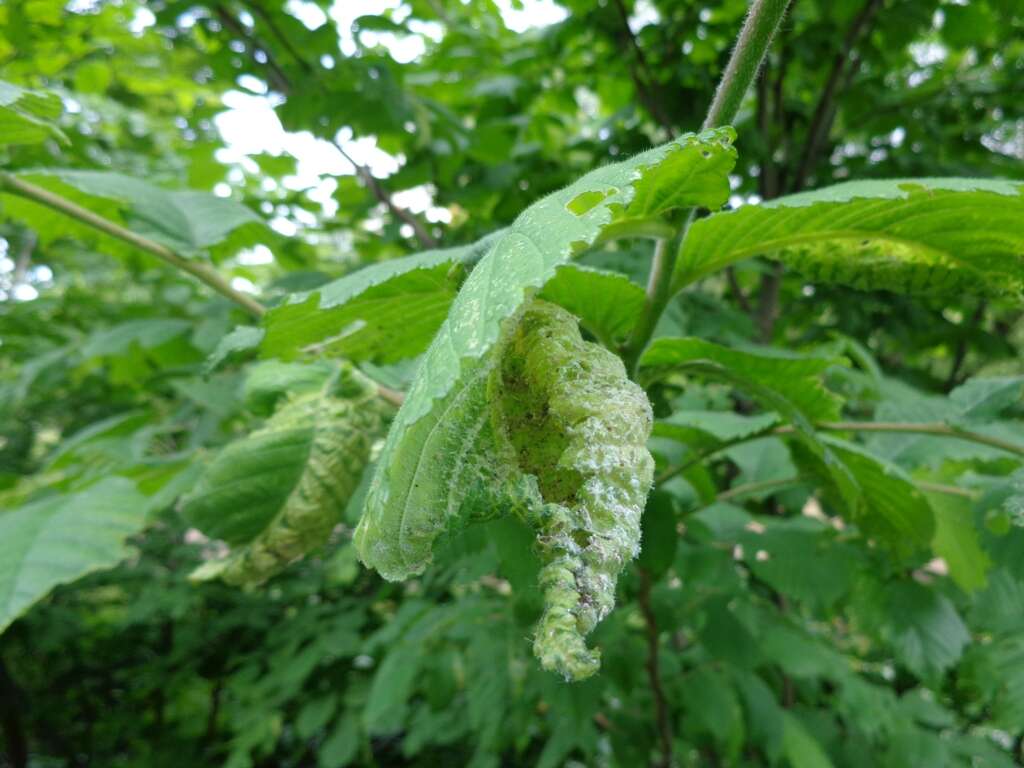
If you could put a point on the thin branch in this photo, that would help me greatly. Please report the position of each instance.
(260, 11)
(824, 110)
(641, 73)
(936, 429)
(282, 83)
(661, 709)
(278, 79)
(375, 187)
(390, 395)
(764, 485)
(199, 270)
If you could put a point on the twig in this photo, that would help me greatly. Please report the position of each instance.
(641, 73)
(282, 83)
(824, 110)
(390, 395)
(653, 674)
(937, 429)
(62, 205)
(278, 79)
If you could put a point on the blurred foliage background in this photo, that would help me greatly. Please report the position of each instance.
(362, 131)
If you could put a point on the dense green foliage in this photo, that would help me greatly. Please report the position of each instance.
(446, 385)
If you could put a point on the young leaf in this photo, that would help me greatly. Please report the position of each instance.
(277, 493)
(956, 541)
(606, 303)
(61, 538)
(925, 236)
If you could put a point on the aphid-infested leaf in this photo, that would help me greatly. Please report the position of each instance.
(548, 427)
(277, 493)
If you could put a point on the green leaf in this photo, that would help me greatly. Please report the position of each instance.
(926, 236)
(924, 628)
(341, 747)
(61, 538)
(184, 220)
(956, 541)
(278, 492)
(607, 303)
(659, 536)
(244, 338)
(801, 749)
(690, 171)
(792, 382)
(705, 429)
(267, 381)
(985, 399)
(384, 312)
(787, 384)
(147, 334)
(887, 503)
(27, 117)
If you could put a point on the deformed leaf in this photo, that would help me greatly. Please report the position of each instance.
(547, 427)
(923, 236)
(61, 538)
(690, 171)
(278, 492)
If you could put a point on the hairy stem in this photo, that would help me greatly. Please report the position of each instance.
(656, 297)
(751, 46)
(937, 429)
(203, 272)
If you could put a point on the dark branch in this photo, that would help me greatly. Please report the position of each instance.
(660, 702)
(839, 77)
(640, 72)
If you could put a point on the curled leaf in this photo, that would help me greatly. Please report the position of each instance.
(548, 427)
(278, 493)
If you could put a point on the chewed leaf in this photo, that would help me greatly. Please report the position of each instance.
(548, 427)
(278, 492)
(923, 236)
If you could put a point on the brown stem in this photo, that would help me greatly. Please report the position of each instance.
(936, 429)
(260, 11)
(824, 110)
(768, 302)
(641, 73)
(62, 205)
(11, 700)
(663, 720)
(278, 79)
(961, 348)
(28, 245)
(283, 84)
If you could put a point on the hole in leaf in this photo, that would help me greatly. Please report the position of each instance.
(586, 201)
